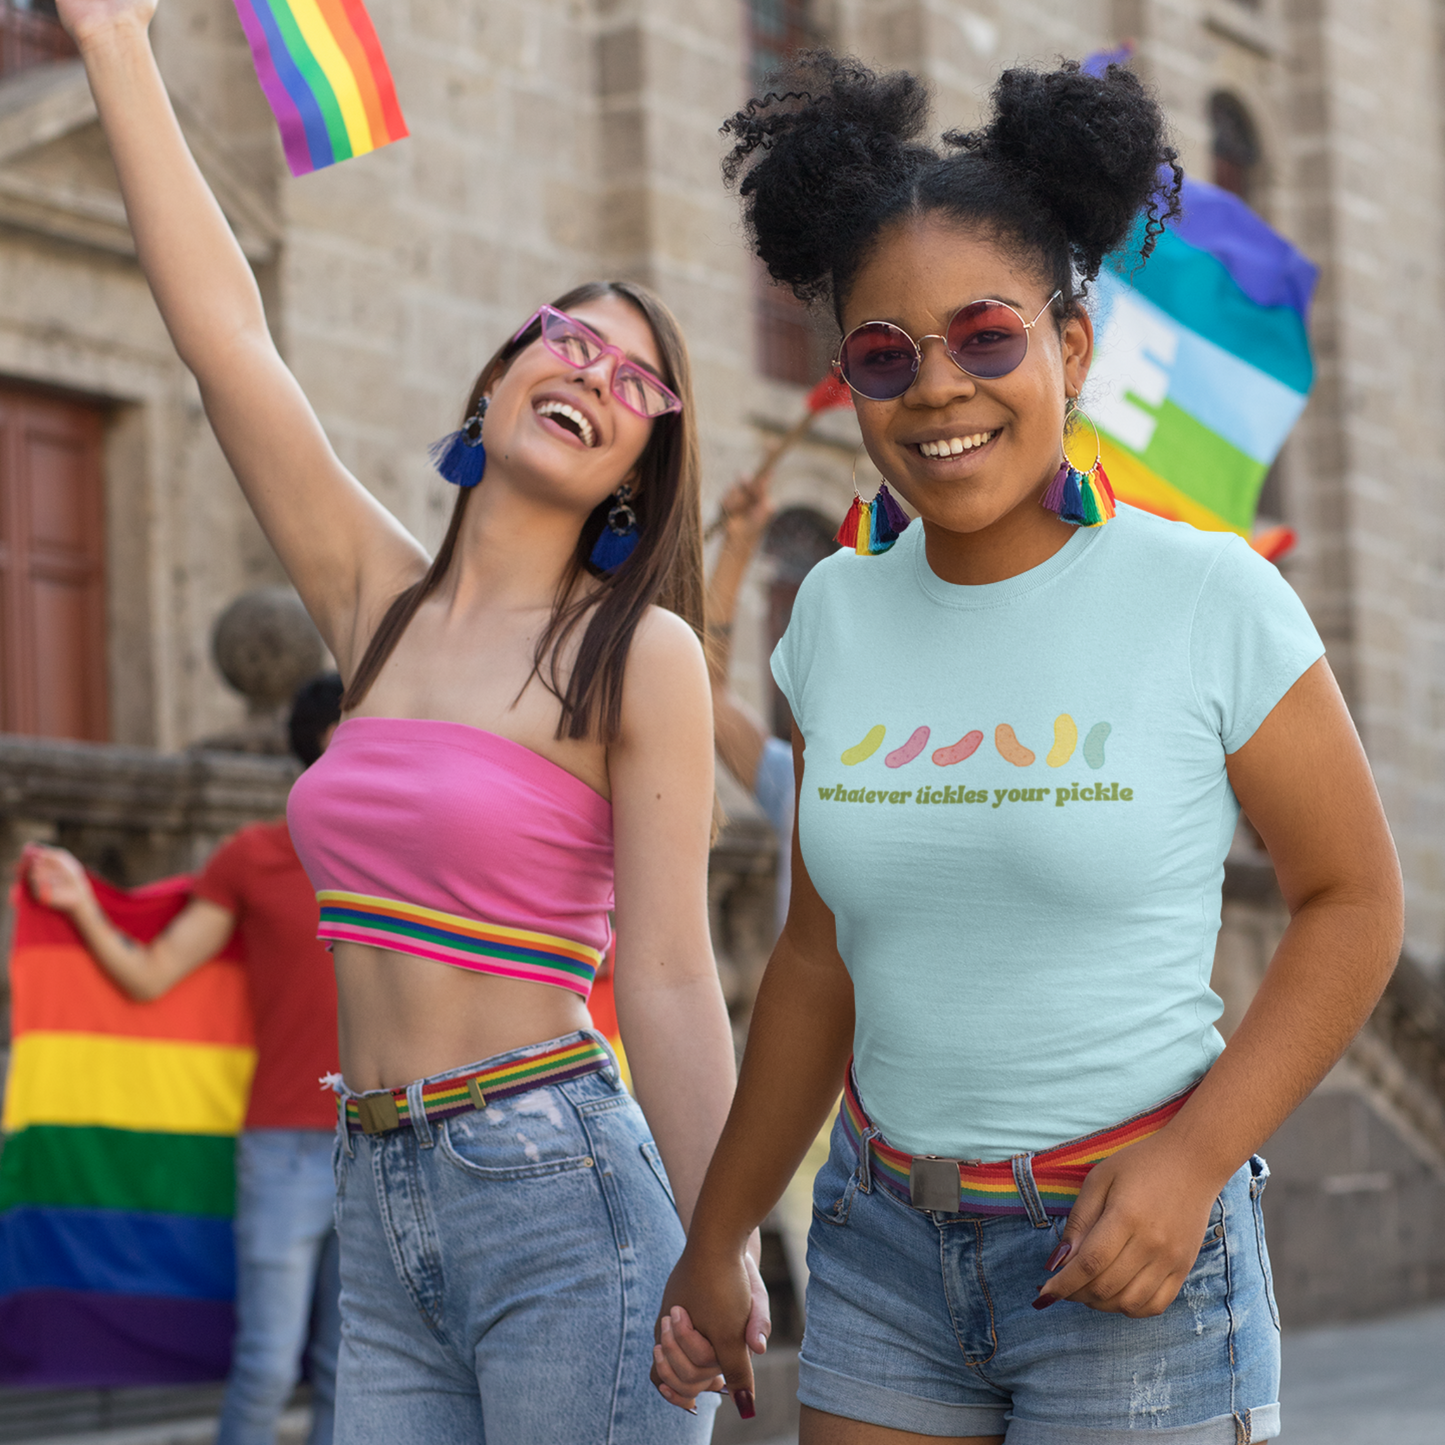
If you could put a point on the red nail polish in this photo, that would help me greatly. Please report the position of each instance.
(744, 1401)
(1045, 1300)
(1059, 1256)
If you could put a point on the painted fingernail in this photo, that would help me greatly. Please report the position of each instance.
(1045, 1300)
(1059, 1256)
(744, 1401)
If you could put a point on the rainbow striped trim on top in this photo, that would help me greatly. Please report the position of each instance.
(471, 943)
(389, 1109)
(990, 1188)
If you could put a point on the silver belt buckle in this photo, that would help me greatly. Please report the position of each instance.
(933, 1183)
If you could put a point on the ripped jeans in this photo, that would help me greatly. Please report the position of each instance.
(501, 1271)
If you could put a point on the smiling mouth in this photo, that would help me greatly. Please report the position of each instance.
(570, 418)
(956, 446)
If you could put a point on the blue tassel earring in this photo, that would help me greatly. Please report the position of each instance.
(618, 538)
(460, 457)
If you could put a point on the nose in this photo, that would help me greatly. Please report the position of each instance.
(939, 380)
(602, 369)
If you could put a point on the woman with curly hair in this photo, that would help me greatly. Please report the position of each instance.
(1024, 734)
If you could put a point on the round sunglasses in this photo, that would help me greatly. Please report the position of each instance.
(984, 340)
(578, 345)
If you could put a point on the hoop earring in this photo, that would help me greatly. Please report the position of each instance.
(460, 456)
(618, 538)
(1083, 499)
(871, 528)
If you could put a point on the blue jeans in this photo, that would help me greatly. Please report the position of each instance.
(287, 1284)
(501, 1271)
(924, 1321)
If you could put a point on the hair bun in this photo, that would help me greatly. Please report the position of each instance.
(1088, 148)
(827, 144)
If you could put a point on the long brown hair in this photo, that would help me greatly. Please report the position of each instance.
(665, 568)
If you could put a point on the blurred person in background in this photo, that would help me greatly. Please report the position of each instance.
(763, 764)
(287, 1279)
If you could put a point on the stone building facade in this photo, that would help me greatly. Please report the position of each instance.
(557, 140)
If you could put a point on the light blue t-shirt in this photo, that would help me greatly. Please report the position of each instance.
(1015, 803)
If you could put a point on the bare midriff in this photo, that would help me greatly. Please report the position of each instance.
(401, 1017)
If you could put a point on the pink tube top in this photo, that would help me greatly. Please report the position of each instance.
(444, 841)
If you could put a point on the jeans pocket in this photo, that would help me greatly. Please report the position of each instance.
(834, 1190)
(653, 1155)
(489, 1153)
(1258, 1178)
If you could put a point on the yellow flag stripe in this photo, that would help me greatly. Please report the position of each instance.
(154, 1085)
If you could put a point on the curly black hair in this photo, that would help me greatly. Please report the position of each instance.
(1063, 169)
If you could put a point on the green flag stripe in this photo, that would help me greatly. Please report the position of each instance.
(1204, 466)
(314, 76)
(117, 1169)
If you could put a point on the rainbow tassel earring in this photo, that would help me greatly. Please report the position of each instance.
(460, 457)
(871, 528)
(1083, 499)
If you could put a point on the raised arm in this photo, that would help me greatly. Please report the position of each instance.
(345, 553)
(747, 509)
(144, 970)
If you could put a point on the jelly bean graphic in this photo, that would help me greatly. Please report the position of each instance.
(1094, 744)
(1066, 739)
(965, 747)
(1011, 750)
(867, 747)
(910, 750)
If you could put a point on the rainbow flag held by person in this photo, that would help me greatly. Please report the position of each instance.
(602, 1005)
(1202, 362)
(323, 71)
(117, 1176)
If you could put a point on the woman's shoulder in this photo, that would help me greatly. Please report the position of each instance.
(665, 657)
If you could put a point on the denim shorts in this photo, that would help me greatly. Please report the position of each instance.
(924, 1322)
(501, 1272)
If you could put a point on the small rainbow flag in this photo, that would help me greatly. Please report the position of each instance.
(322, 69)
(117, 1180)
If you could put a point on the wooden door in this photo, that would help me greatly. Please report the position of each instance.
(52, 567)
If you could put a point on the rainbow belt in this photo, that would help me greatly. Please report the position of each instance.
(466, 942)
(389, 1108)
(993, 1188)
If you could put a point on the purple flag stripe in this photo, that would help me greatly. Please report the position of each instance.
(289, 119)
(76, 1339)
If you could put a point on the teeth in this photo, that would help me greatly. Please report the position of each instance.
(560, 408)
(953, 446)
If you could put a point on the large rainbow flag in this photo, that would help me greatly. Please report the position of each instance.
(1202, 362)
(117, 1176)
(323, 72)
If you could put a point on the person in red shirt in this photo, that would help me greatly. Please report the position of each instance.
(287, 1278)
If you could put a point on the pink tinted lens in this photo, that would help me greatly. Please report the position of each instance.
(647, 396)
(631, 385)
(987, 339)
(878, 360)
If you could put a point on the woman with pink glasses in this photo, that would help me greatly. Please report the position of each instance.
(526, 745)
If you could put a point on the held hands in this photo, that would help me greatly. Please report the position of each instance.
(1135, 1232)
(726, 1300)
(56, 879)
